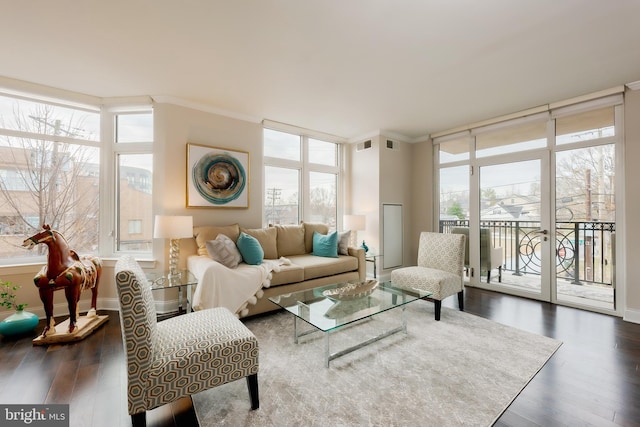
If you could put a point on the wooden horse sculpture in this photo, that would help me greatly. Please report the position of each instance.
(64, 270)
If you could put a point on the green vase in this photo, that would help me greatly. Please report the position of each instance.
(18, 323)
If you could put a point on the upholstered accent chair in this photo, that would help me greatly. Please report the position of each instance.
(180, 356)
(490, 257)
(439, 271)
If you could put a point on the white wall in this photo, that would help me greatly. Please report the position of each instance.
(631, 250)
(422, 195)
(395, 188)
(379, 176)
(178, 126)
(364, 178)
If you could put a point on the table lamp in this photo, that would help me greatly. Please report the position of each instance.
(354, 223)
(173, 227)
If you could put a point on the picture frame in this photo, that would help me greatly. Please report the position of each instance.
(217, 177)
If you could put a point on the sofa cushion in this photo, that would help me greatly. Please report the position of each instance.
(205, 233)
(290, 240)
(288, 274)
(325, 245)
(224, 250)
(250, 249)
(316, 266)
(309, 229)
(267, 238)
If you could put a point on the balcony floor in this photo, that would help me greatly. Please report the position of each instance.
(596, 295)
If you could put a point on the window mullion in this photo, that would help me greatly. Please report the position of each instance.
(304, 177)
(107, 186)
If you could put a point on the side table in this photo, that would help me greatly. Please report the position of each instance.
(372, 257)
(185, 281)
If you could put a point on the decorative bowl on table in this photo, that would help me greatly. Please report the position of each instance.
(350, 291)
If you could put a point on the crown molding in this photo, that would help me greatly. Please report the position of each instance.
(284, 127)
(384, 134)
(49, 94)
(396, 136)
(163, 99)
(364, 137)
(423, 138)
(633, 85)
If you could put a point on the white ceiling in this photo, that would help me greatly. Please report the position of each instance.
(344, 67)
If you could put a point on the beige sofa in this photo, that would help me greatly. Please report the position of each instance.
(293, 242)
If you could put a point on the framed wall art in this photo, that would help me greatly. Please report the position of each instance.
(217, 177)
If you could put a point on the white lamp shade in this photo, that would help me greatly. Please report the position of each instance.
(354, 222)
(173, 227)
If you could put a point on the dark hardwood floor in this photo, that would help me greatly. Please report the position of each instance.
(592, 380)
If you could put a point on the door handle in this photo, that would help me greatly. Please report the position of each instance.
(544, 232)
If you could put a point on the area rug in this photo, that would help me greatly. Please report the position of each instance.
(462, 370)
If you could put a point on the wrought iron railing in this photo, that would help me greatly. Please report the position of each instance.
(584, 250)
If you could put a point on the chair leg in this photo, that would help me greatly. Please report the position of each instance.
(500, 274)
(139, 419)
(438, 308)
(461, 300)
(252, 383)
(489, 276)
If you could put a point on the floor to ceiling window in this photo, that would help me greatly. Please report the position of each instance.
(536, 197)
(585, 205)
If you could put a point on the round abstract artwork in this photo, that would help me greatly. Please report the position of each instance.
(219, 178)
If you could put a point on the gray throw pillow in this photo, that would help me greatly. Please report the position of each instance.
(224, 250)
(343, 242)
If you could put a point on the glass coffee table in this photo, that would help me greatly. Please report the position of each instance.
(328, 314)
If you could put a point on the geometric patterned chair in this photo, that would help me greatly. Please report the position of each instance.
(439, 271)
(180, 356)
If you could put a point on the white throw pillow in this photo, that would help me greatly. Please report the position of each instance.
(224, 250)
(343, 242)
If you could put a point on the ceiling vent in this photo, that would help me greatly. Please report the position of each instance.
(363, 145)
(391, 145)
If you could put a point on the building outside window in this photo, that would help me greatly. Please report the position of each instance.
(135, 226)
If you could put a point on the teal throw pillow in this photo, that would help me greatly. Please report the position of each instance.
(325, 244)
(250, 249)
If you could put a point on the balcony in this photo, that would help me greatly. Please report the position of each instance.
(584, 256)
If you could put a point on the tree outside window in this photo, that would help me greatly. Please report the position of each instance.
(49, 173)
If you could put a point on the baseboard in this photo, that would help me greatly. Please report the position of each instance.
(631, 315)
(111, 304)
(168, 306)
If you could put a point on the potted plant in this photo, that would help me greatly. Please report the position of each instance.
(20, 321)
